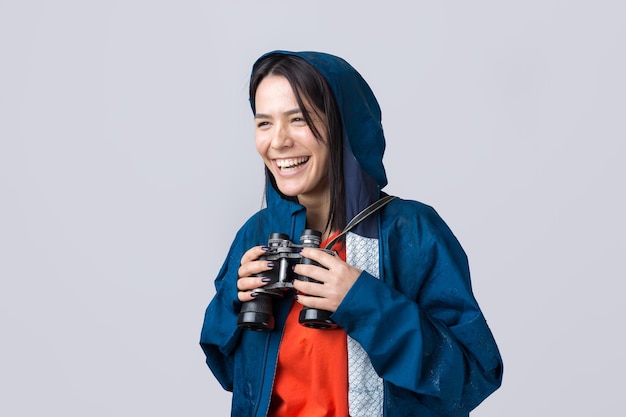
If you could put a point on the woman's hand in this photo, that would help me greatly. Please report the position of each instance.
(336, 280)
(251, 265)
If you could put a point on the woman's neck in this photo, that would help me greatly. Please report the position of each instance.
(317, 214)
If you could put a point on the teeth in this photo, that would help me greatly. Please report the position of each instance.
(292, 162)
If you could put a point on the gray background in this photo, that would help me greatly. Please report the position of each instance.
(127, 164)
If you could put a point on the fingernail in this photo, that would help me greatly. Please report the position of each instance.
(254, 294)
(295, 297)
(265, 248)
(270, 264)
(266, 279)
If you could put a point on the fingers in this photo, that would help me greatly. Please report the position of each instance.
(315, 289)
(335, 277)
(319, 303)
(251, 283)
(251, 264)
(332, 266)
(247, 287)
(335, 280)
(251, 273)
(322, 257)
(253, 254)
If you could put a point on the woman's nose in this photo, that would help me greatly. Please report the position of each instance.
(282, 138)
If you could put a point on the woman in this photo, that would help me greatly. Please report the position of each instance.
(410, 337)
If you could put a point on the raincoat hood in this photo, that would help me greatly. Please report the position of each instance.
(363, 138)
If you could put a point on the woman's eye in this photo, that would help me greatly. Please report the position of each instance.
(262, 124)
(298, 120)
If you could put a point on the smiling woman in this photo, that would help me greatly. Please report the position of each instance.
(403, 333)
(289, 82)
(297, 159)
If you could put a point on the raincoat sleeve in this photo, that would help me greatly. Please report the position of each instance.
(220, 334)
(421, 325)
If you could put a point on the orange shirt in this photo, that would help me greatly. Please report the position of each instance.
(312, 371)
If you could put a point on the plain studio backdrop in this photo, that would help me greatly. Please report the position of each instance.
(127, 164)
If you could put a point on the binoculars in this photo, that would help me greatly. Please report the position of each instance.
(257, 314)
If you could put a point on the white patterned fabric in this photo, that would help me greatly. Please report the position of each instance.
(365, 387)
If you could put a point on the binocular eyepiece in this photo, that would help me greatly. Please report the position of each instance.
(257, 314)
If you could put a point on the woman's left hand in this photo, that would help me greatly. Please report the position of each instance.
(335, 281)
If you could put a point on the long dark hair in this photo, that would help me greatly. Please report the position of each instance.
(310, 86)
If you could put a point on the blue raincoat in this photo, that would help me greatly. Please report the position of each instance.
(418, 342)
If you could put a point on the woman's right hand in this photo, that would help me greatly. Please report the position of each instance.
(251, 265)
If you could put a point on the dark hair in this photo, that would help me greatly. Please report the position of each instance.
(310, 86)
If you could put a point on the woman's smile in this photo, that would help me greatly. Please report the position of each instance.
(291, 165)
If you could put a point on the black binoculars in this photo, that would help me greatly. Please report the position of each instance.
(257, 314)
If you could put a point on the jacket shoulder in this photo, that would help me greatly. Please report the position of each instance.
(405, 213)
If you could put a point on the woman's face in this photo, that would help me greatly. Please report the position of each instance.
(296, 158)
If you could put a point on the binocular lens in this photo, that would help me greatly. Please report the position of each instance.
(257, 314)
(316, 319)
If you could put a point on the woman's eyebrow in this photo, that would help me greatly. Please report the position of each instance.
(287, 113)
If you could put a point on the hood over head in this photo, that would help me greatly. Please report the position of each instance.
(363, 138)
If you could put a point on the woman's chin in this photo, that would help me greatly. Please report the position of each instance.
(289, 192)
